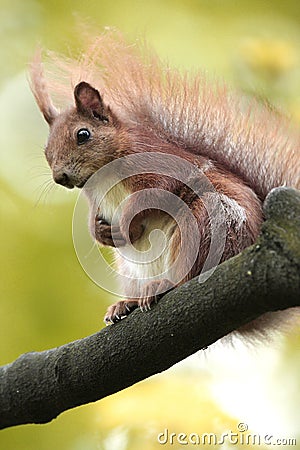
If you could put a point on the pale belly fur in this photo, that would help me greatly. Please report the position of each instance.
(150, 256)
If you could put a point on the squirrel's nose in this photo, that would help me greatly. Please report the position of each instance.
(63, 179)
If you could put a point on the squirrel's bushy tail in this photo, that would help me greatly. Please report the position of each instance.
(186, 109)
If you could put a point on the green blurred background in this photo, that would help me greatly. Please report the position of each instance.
(47, 299)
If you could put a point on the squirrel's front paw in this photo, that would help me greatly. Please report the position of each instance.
(107, 234)
(119, 310)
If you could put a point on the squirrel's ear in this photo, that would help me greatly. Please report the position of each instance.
(88, 100)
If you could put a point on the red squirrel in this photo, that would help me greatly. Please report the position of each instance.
(126, 102)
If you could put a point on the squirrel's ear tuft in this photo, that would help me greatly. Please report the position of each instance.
(40, 90)
(88, 100)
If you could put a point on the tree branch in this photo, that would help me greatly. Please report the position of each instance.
(265, 277)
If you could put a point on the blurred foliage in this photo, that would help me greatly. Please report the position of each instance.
(47, 299)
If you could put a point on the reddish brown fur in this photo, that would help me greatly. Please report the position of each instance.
(202, 117)
(146, 108)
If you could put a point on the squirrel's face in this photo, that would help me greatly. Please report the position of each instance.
(81, 139)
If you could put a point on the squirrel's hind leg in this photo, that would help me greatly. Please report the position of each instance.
(150, 293)
(119, 310)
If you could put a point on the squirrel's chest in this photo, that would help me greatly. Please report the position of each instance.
(150, 256)
(110, 200)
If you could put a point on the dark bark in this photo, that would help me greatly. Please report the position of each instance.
(265, 277)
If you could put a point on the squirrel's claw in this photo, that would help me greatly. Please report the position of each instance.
(151, 293)
(119, 311)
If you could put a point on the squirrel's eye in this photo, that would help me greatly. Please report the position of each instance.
(83, 135)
